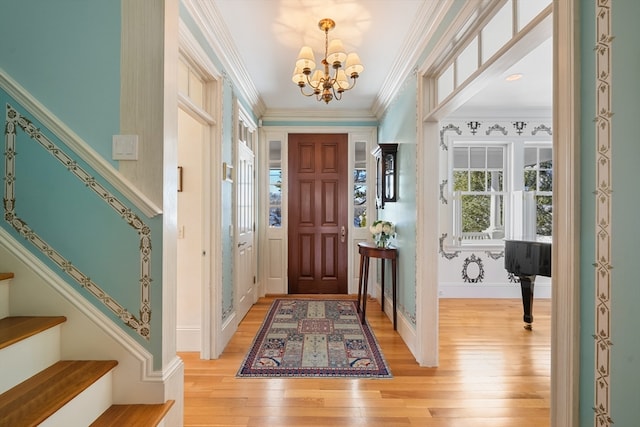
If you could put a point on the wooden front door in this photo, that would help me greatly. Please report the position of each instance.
(318, 217)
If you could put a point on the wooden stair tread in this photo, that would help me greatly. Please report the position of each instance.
(34, 400)
(17, 328)
(5, 276)
(142, 415)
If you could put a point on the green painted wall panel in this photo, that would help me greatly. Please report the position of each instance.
(66, 53)
(399, 126)
(625, 353)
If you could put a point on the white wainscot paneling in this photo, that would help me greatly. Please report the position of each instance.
(276, 283)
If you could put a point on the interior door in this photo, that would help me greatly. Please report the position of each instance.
(245, 245)
(318, 217)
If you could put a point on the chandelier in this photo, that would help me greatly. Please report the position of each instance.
(327, 84)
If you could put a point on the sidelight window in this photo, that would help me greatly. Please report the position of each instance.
(275, 184)
(360, 185)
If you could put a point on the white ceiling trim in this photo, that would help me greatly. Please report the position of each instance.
(193, 52)
(318, 116)
(427, 20)
(536, 32)
(215, 31)
(457, 35)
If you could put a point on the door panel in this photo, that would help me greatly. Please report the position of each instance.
(245, 253)
(318, 217)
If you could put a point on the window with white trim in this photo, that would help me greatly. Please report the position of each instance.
(500, 189)
(538, 178)
(478, 179)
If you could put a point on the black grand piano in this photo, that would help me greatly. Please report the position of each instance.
(527, 259)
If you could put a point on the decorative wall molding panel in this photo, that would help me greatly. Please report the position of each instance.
(445, 129)
(15, 122)
(491, 127)
(473, 269)
(447, 255)
(603, 266)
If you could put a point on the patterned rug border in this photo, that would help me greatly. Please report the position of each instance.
(246, 371)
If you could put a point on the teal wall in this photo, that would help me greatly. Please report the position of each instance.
(399, 126)
(624, 380)
(82, 228)
(226, 205)
(587, 210)
(625, 353)
(66, 53)
(230, 94)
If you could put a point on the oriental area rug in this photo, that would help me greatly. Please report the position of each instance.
(314, 338)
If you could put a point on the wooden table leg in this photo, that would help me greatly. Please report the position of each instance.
(382, 284)
(394, 279)
(364, 288)
(360, 282)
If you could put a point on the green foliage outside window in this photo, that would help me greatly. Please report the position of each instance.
(476, 208)
(475, 213)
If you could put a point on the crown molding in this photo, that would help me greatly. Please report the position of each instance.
(427, 21)
(318, 116)
(215, 31)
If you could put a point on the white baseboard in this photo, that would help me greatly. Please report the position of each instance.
(510, 290)
(188, 339)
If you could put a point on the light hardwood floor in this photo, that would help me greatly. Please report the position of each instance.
(492, 373)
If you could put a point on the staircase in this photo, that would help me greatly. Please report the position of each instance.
(39, 389)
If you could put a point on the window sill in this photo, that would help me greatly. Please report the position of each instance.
(487, 245)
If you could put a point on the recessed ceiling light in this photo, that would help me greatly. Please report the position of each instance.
(514, 77)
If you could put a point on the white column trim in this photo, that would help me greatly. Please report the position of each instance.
(565, 329)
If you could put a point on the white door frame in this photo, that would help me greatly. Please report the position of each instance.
(565, 338)
(242, 306)
(272, 266)
(211, 328)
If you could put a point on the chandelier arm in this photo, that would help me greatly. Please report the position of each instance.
(306, 94)
(355, 80)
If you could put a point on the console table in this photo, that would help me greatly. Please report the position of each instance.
(367, 251)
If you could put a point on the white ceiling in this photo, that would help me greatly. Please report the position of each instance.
(266, 36)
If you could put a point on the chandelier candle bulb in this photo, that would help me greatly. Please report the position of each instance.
(331, 80)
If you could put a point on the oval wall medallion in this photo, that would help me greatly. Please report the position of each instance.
(473, 269)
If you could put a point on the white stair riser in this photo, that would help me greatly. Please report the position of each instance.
(4, 298)
(28, 357)
(85, 407)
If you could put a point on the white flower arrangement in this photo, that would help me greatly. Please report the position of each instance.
(383, 232)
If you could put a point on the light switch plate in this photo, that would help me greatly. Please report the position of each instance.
(125, 147)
